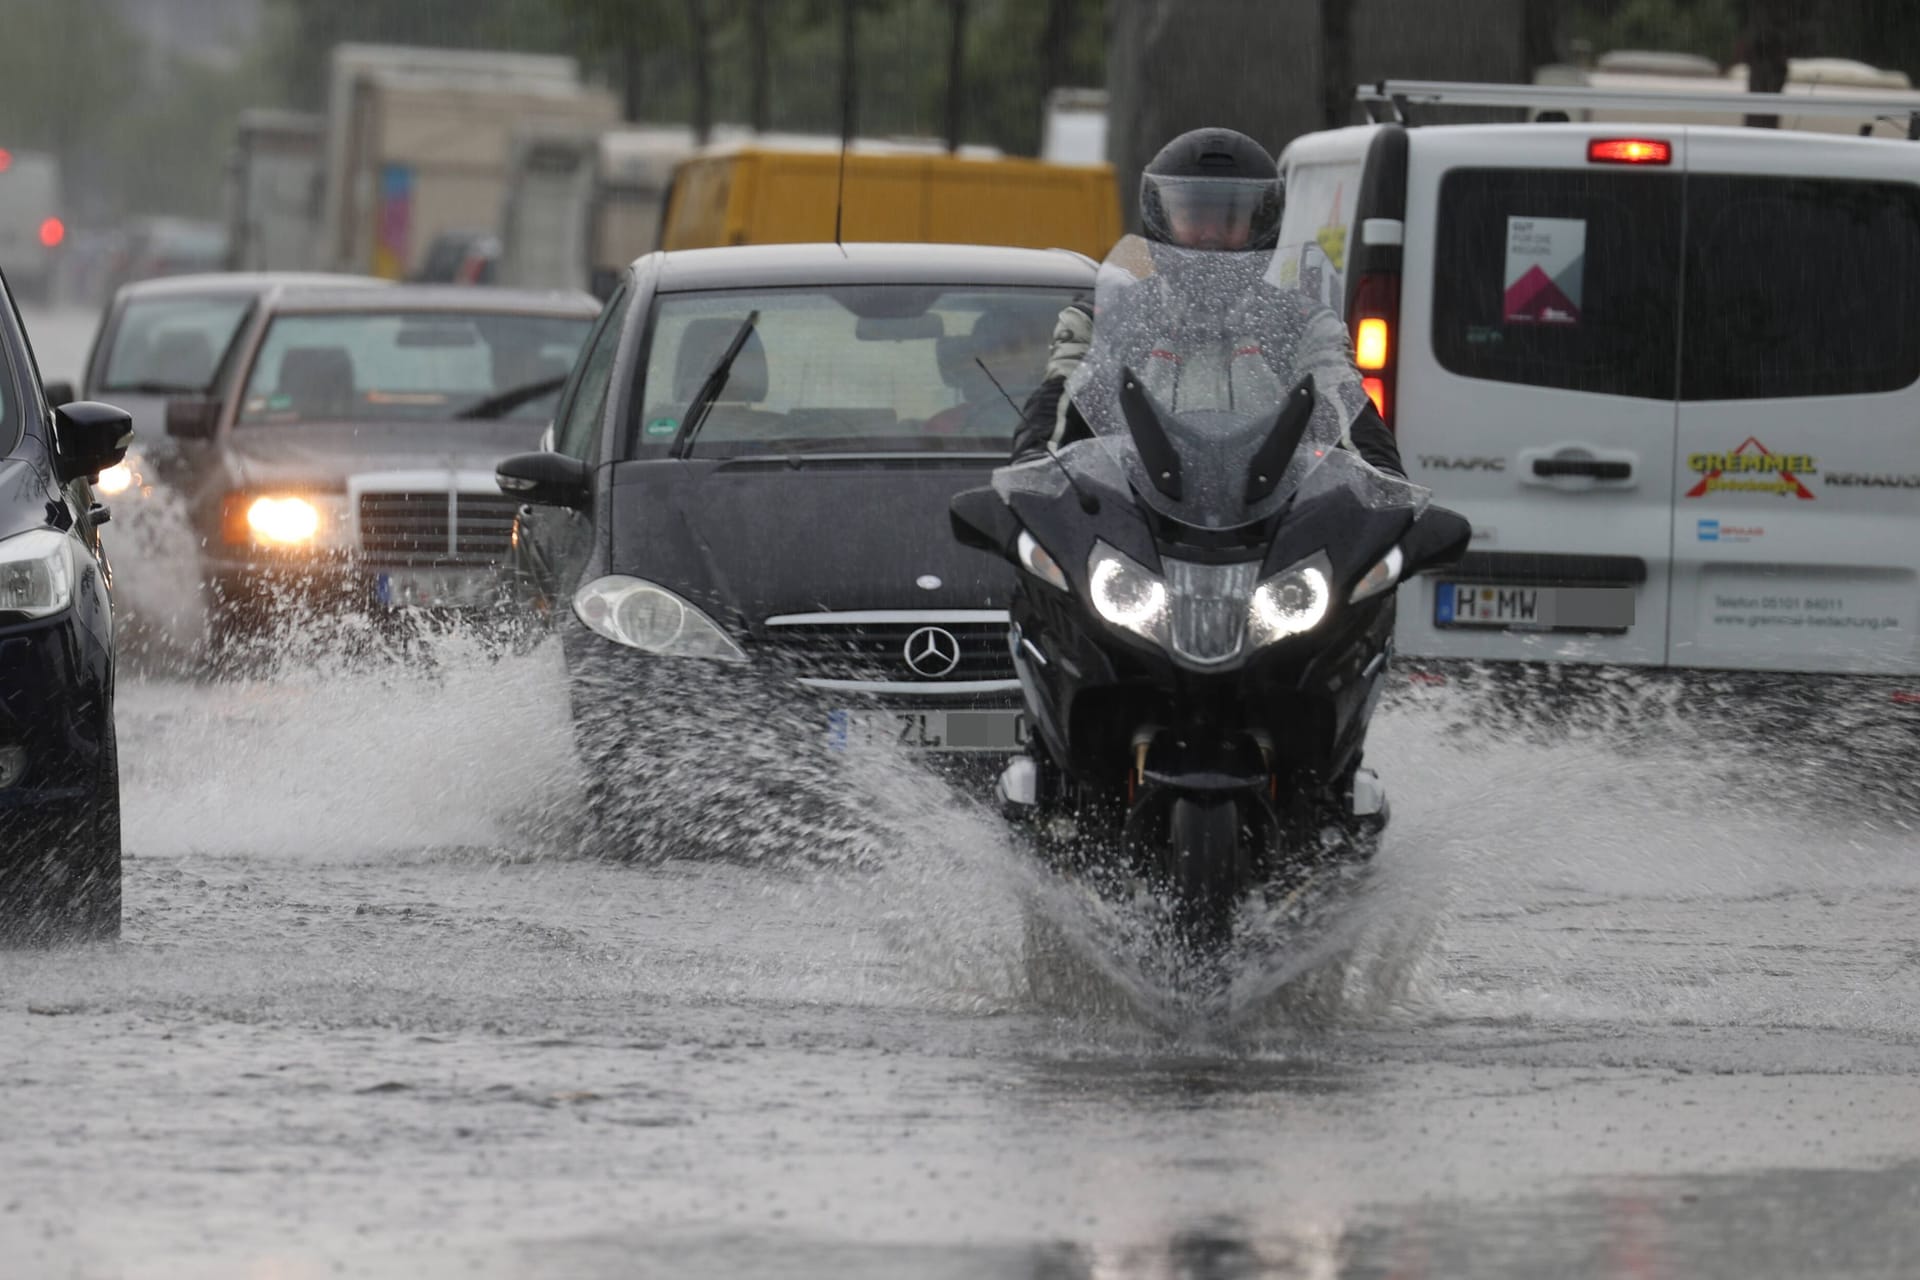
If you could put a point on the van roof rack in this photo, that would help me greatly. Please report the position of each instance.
(1397, 96)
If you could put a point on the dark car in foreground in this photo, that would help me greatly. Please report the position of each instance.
(59, 769)
(346, 455)
(741, 527)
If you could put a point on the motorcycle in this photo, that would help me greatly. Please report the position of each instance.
(1205, 602)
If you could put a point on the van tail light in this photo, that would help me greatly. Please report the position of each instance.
(1629, 151)
(1376, 389)
(1374, 320)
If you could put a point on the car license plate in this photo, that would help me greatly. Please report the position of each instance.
(435, 588)
(928, 730)
(1517, 608)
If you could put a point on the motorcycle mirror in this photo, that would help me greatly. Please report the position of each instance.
(1157, 453)
(983, 522)
(1439, 537)
(1283, 440)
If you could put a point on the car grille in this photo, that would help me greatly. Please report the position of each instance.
(877, 651)
(440, 528)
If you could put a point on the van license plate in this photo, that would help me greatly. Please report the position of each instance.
(928, 730)
(1511, 608)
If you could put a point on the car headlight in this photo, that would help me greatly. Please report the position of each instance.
(1292, 602)
(115, 480)
(288, 521)
(1127, 595)
(1036, 560)
(1382, 577)
(37, 573)
(641, 615)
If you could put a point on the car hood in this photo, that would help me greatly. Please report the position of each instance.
(328, 455)
(764, 539)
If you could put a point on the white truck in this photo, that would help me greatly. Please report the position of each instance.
(273, 191)
(1074, 128)
(582, 203)
(418, 143)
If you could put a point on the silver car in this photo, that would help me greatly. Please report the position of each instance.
(345, 454)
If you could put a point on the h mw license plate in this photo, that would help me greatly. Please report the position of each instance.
(1511, 608)
(928, 730)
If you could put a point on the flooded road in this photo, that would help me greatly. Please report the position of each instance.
(1635, 1004)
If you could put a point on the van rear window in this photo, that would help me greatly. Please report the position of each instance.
(1559, 278)
(1800, 287)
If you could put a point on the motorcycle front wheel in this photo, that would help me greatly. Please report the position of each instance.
(1205, 871)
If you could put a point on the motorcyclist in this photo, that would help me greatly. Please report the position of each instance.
(1210, 190)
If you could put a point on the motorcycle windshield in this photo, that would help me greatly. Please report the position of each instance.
(1197, 379)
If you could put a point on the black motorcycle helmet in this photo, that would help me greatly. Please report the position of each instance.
(1212, 189)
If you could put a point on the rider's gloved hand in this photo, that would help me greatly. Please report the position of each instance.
(1072, 335)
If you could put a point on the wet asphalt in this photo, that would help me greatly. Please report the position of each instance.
(1637, 1004)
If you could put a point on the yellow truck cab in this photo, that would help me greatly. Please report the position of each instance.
(758, 194)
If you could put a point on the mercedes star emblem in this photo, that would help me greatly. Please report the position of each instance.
(933, 652)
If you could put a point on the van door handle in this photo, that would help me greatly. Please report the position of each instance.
(1590, 468)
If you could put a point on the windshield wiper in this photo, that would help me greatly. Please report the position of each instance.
(512, 398)
(696, 414)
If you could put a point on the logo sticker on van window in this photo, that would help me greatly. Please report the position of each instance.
(663, 426)
(1752, 468)
(1546, 263)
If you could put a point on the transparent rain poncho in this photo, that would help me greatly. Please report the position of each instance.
(1219, 349)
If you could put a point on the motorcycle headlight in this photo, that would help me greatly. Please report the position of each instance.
(1382, 577)
(1036, 560)
(1290, 603)
(37, 573)
(1128, 595)
(641, 615)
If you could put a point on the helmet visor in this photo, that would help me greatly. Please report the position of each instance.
(1211, 213)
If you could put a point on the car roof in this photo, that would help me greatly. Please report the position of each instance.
(470, 299)
(243, 282)
(748, 266)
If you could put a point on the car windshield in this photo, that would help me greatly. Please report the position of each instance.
(867, 369)
(172, 343)
(410, 366)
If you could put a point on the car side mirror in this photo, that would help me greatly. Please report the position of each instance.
(982, 521)
(192, 418)
(89, 437)
(1438, 538)
(545, 479)
(60, 392)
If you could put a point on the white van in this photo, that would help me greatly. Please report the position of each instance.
(1671, 373)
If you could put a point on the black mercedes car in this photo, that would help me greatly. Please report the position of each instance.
(59, 770)
(740, 529)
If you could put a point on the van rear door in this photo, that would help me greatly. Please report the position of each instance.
(1797, 499)
(1537, 383)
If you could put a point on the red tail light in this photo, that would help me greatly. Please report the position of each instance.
(1376, 389)
(1374, 321)
(52, 233)
(1629, 151)
(6, 160)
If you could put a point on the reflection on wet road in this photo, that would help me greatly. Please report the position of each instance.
(1616, 1005)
